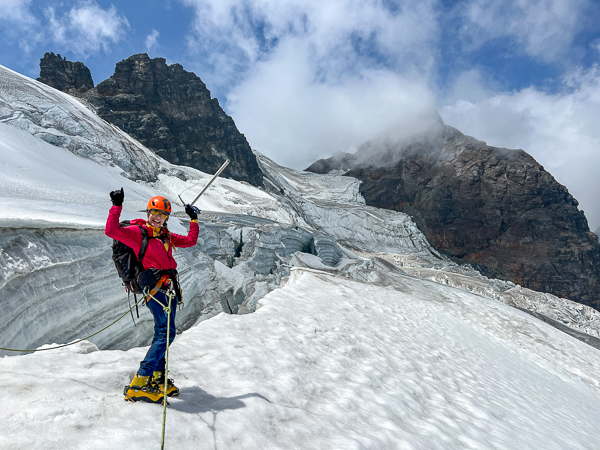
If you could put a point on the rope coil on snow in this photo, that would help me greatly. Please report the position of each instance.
(74, 342)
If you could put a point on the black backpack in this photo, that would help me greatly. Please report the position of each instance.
(128, 264)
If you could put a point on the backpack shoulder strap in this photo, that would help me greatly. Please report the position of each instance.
(144, 245)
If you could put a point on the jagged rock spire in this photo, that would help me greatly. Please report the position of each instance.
(71, 77)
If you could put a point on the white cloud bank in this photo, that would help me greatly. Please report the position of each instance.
(236, 34)
(298, 129)
(313, 78)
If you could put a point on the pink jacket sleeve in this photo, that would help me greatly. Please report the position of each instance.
(189, 240)
(130, 236)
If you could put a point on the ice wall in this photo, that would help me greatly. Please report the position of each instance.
(63, 121)
(333, 204)
(60, 284)
(57, 285)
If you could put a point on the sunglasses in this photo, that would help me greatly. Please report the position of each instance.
(162, 214)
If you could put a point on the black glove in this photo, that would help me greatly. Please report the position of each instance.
(148, 278)
(192, 211)
(117, 197)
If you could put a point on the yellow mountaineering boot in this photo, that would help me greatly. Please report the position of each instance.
(143, 389)
(159, 378)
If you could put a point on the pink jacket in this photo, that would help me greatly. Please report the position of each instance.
(157, 256)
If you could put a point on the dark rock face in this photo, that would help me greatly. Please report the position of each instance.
(170, 111)
(495, 208)
(71, 77)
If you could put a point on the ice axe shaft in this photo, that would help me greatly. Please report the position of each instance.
(221, 169)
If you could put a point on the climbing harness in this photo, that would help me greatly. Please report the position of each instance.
(168, 278)
(74, 342)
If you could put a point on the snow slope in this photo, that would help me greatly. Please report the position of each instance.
(418, 365)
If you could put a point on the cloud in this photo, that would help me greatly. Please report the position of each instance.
(544, 29)
(20, 24)
(152, 40)
(291, 118)
(86, 28)
(344, 35)
(17, 12)
(559, 130)
(306, 78)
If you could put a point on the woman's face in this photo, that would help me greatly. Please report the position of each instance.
(157, 220)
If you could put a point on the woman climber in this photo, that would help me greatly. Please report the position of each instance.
(158, 282)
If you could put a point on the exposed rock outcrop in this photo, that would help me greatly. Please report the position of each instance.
(495, 208)
(71, 77)
(170, 111)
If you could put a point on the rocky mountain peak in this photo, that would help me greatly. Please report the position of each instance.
(170, 111)
(141, 75)
(71, 77)
(495, 208)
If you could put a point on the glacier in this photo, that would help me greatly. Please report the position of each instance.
(302, 305)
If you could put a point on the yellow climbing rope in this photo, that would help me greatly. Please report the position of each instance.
(74, 342)
(170, 294)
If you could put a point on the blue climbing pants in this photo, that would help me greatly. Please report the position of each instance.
(155, 358)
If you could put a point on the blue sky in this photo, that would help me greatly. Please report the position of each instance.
(304, 79)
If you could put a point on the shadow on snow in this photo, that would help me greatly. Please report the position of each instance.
(194, 400)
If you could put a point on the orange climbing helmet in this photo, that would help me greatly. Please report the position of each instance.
(160, 203)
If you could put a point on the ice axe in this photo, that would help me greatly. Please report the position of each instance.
(221, 169)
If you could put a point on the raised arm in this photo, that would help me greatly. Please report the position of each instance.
(131, 236)
(189, 240)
